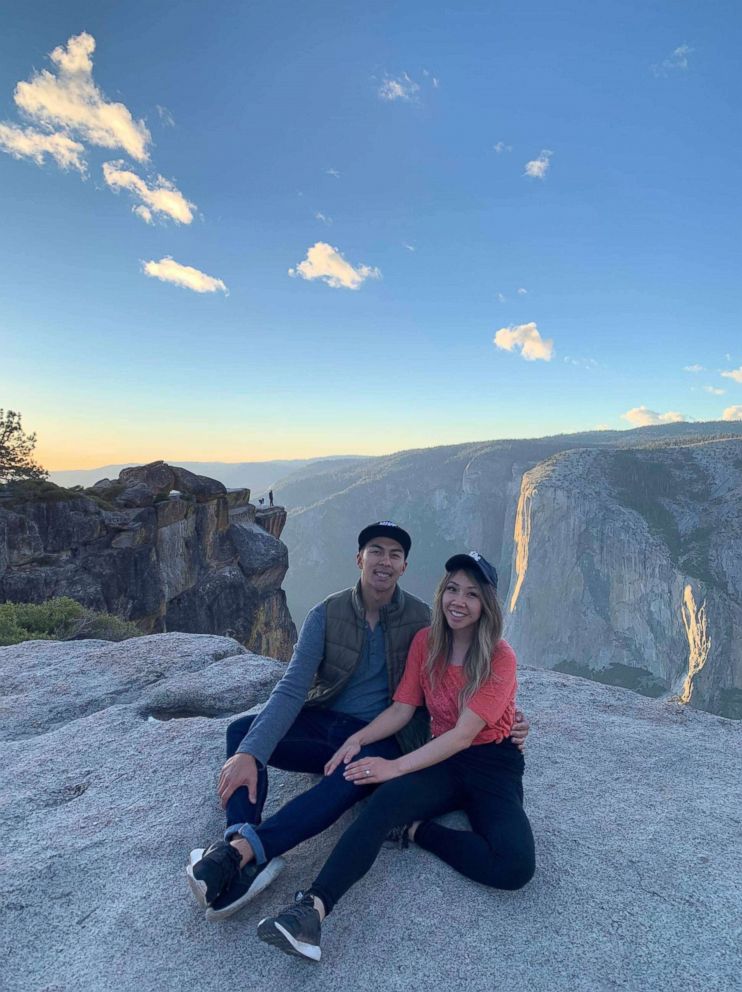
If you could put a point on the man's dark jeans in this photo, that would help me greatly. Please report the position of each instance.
(308, 745)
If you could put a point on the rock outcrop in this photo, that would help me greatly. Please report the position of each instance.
(160, 546)
(110, 759)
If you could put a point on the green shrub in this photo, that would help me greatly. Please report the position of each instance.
(34, 490)
(60, 619)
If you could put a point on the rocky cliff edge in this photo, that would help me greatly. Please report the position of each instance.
(108, 776)
(160, 546)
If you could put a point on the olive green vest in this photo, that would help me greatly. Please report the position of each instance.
(345, 631)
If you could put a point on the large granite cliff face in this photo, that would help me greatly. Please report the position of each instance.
(640, 526)
(110, 761)
(628, 566)
(159, 546)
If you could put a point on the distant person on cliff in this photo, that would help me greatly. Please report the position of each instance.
(347, 662)
(270, 497)
(463, 671)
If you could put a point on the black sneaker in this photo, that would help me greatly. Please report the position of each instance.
(248, 883)
(296, 929)
(210, 875)
(398, 837)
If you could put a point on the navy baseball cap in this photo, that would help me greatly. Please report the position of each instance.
(385, 528)
(473, 559)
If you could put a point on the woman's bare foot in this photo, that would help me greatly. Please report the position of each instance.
(412, 829)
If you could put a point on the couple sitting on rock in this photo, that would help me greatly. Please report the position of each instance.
(351, 708)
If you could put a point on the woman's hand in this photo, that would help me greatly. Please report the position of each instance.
(346, 752)
(519, 730)
(371, 771)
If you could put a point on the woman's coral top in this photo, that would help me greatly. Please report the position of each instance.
(494, 702)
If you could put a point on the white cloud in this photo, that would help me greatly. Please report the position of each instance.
(678, 61)
(144, 212)
(527, 339)
(408, 247)
(331, 172)
(165, 116)
(714, 391)
(326, 263)
(168, 270)
(160, 198)
(323, 217)
(693, 368)
(735, 374)
(501, 298)
(521, 291)
(501, 147)
(641, 416)
(538, 167)
(36, 145)
(401, 88)
(732, 413)
(71, 100)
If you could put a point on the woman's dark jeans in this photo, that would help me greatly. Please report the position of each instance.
(485, 781)
(308, 745)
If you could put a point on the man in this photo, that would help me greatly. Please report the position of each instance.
(347, 662)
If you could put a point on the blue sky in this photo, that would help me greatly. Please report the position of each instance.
(502, 220)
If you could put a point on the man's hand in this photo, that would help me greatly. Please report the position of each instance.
(520, 729)
(371, 771)
(346, 752)
(239, 770)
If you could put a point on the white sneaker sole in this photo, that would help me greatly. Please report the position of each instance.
(264, 879)
(271, 932)
(197, 888)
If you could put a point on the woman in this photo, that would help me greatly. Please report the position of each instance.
(465, 674)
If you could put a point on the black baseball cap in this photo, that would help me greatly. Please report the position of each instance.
(385, 528)
(473, 559)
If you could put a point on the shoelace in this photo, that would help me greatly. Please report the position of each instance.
(302, 902)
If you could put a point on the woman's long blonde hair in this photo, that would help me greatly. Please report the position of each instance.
(477, 665)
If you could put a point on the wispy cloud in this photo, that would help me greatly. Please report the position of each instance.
(677, 62)
(582, 363)
(538, 167)
(732, 413)
(67, 98)
(165, 116)
(501, 147)
(160, 198)
(694, 368)
(501, 298)
(641, 416)
(521, 291)
(332, 172)
(323, 218)
(168, 270)
(398, 88)
(36, 145)
(527, 339)
(326, 263)
(735, 374)
(714, 390)
(408, 247)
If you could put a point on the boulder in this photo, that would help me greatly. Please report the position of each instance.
(635, 805)
(137, 494)
(159, 476)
